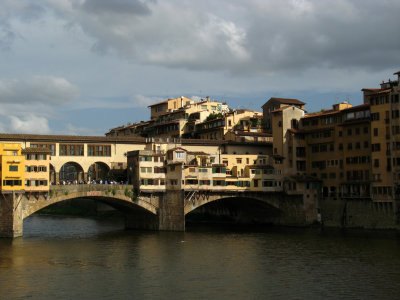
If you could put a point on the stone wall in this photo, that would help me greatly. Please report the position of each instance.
(355, 213)
(11, 215)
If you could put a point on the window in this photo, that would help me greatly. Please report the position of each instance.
(71, 150)
(12, 182)
(99, 150)
(375, 117)
(219, 170)
(238, 160)
(13, 168)
(350, 116)
(180, 155)
(375, 131)
(376, 147)
(205, 182)
(376, 162)
(349, 131)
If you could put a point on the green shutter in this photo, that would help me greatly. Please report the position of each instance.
(214, 183)
(224, 170)
(214, 169)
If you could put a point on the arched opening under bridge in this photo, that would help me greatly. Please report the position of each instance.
(134, 215)
(235, 210)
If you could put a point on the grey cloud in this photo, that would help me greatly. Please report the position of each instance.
(342, 34)
(20, 10)
(242, 37)
(7, 37)
(39, 89)
(134, 7)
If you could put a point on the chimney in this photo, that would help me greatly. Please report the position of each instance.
(208, 98)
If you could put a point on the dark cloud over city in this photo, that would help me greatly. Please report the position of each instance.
(96, 53)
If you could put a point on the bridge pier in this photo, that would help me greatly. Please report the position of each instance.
(171, 211)
(11, 219)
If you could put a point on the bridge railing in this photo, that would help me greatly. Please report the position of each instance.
(89, 187)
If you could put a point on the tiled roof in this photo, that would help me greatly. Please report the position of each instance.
(322, 113)
(376, 91)
(382, 92)
(244, 133)
(70, 138)
(158, 103)
(332, 112)
(197, 153)
(177, 148)
(36, 150)
(370, 90)
(285, 101)
(357, 107)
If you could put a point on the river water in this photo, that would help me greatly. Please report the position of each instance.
(83, 258)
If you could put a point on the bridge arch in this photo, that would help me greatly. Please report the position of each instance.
(116, 197)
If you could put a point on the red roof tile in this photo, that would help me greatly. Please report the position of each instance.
(285, 101)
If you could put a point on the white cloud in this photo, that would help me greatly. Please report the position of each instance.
(136, 101)
(39, 89)
(28, 124)
(73, 130)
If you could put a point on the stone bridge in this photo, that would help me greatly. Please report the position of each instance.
(156, 210)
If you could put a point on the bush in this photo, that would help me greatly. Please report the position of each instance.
(128, 193)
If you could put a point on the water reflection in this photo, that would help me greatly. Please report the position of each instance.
(90, 259)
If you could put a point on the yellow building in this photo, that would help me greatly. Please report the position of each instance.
(217, 127)
(12, 167)
(169, 105)
(37, 169)
(178, 168)
(337, 149)
(385, 141)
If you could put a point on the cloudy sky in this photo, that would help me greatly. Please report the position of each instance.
(85, 66)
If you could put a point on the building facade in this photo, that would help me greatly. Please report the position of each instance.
(12, 168)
